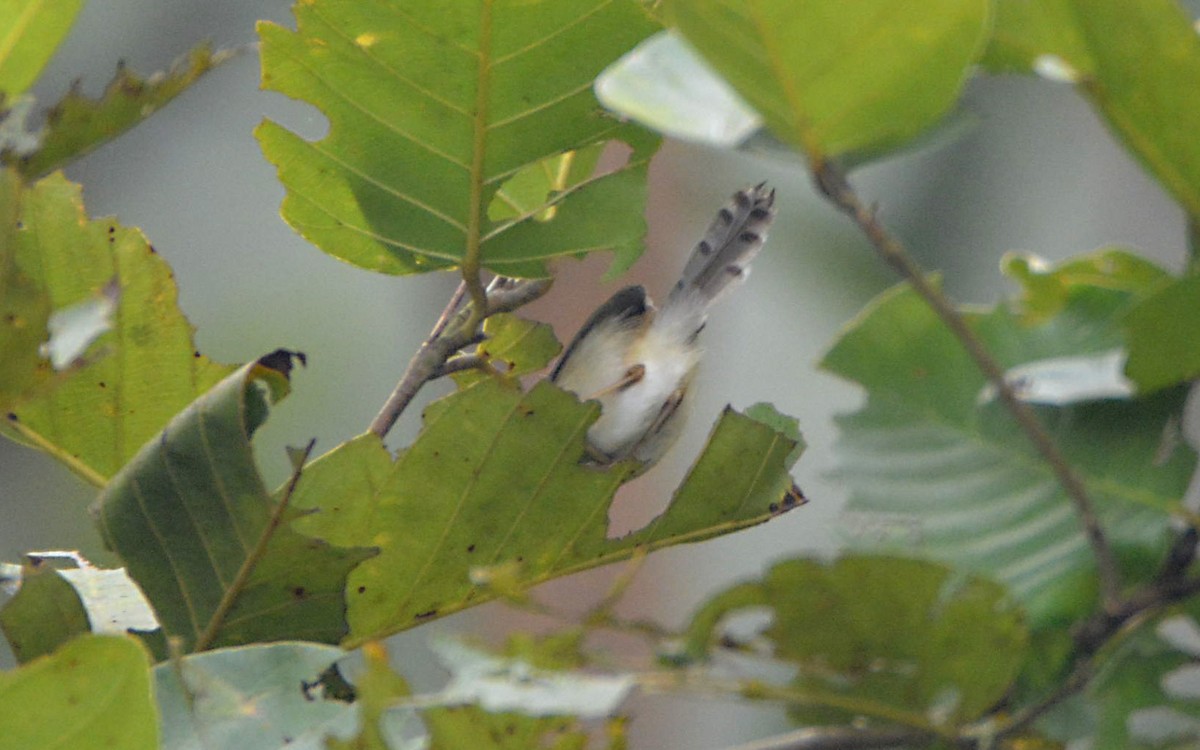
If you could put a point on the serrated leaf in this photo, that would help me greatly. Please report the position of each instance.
(909, 635)
(30, 31)
(98, 416)
(495, 477)
(79, 124)
(517, 345)
(262, 696)
(1163, 331)
(45, 613)
(432, 108)
(862, 76)
(189, 513)
(933, 469)
(24, 304)
(92, 694)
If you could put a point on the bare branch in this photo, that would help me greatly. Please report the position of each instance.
(456, 328)
(832, 182)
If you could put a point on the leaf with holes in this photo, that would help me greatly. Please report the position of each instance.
(79, 124)
(936, 466)
(197, 530)
(495, 477)
(908, 636)
(265, 696)
(432, 109)
(142, 372)
(858, 76)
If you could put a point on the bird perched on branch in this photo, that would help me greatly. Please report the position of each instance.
(638, 361)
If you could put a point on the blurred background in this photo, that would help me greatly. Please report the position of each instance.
(1035, 172)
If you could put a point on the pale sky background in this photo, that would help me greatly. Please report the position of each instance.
(1037, 172)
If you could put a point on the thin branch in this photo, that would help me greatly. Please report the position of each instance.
(832, 182)
(455, 329)
(837, 738)
(462, 362)
(238, 585)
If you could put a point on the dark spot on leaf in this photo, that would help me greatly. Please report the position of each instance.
(10, 318)
(470, 548)
(151, 249)
(112, 228)
(12, 417)
(520, 559)
(281, 360)
(362, 589)
(299, 592)
(510, 729)
(426, 615)
(102, 384)
(773, 507)
(196, 355)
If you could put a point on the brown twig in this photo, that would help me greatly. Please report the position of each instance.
(832, 182)
(456, 328)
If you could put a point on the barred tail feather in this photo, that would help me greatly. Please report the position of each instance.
(722, 258)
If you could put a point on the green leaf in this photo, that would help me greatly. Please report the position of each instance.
(45, 613)
(24, 304)
(432, 108)
(376, 690)
(879, 635)
(495, 477)
(1138, 62)
(191, 520)
(263, 696)
(30, 31)
(526, 192)
(1026, 30)
(1164, 336)
(935, 468)
(99, 415)
(79, 124)
(860, 75)
(470, 726)
(92, 694)
(519, 346)
(665, 85)
(1147, 72)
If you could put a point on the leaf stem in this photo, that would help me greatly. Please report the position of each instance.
(477, 209)
(831, 181)
(238, 585)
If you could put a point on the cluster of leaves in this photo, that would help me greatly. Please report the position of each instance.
(467, 135)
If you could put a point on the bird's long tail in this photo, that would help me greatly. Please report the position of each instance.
(722, 258)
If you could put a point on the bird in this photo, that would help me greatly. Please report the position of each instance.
(638, 361)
